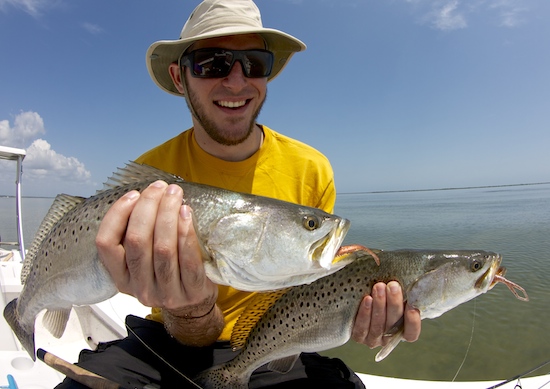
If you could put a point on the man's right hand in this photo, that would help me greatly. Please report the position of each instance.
(149, 246)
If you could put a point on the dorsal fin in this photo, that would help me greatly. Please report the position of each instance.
(134, 172)
(62, 204)
(254, 311)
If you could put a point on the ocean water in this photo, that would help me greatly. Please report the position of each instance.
(494, 336)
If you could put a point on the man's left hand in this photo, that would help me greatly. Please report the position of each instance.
(379, 311)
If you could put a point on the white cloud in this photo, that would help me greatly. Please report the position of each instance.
(27, 126)
(511, 12)
(92, 28)
(32, 7)
(42, 163)
(448, 15)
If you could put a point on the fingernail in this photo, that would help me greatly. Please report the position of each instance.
(132, 195)
(185, 212)
(378, 291)
(367, 303)
(159, 184)
(394, 289)
(173, 189)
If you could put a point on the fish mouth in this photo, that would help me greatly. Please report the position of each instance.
(500, 273)
(324, 250)
(488, 279)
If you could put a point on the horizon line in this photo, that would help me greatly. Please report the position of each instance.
(375, 191)
(439, 189)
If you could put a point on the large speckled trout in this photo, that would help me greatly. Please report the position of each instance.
(249, 242)
(321, 315)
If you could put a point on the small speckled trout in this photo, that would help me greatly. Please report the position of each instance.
(249, 242)
(321, 315)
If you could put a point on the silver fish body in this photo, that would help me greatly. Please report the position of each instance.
(249, 242)
(320, 316)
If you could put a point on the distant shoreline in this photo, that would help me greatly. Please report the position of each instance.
(27, 197)
(375, 191)
(439, 189)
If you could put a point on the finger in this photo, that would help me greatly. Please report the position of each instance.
(138, 242)
(412, 324)
(165, 246)
(110, 236)
(378, 317)
(362, 320)
(198, 288)
(395, 305)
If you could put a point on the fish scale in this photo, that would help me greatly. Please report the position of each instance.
(320, 316)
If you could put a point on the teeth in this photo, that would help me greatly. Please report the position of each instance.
(232, 104)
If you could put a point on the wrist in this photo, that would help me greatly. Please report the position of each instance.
(194, 327)
(189, 314)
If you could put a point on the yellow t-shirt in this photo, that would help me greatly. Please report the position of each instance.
(283, 168)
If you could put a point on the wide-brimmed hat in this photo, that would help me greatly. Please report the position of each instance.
(217, 18)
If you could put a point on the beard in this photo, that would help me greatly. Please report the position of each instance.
(220, 135)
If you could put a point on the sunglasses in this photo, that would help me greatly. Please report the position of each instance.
(217, 63)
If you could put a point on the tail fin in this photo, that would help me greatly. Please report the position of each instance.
(25, 337)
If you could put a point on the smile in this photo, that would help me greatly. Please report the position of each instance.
(231, 104)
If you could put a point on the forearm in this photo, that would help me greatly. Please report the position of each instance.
(193, 327)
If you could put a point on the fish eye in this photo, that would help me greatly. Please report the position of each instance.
(311, 222)
(476, 265)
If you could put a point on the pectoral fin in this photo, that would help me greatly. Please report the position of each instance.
(55, 321)
(283, 365)
(396, 336)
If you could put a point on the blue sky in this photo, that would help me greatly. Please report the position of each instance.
(399, 94)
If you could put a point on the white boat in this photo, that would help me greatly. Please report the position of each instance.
(105, 321)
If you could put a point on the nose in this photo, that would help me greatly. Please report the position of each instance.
(235, 79)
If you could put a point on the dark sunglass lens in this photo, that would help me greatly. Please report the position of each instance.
(217, 63)
(258, 63)
(211, 63)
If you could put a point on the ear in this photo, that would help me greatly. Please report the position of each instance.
(175, 74)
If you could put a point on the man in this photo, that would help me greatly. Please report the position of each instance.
(221, 65)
